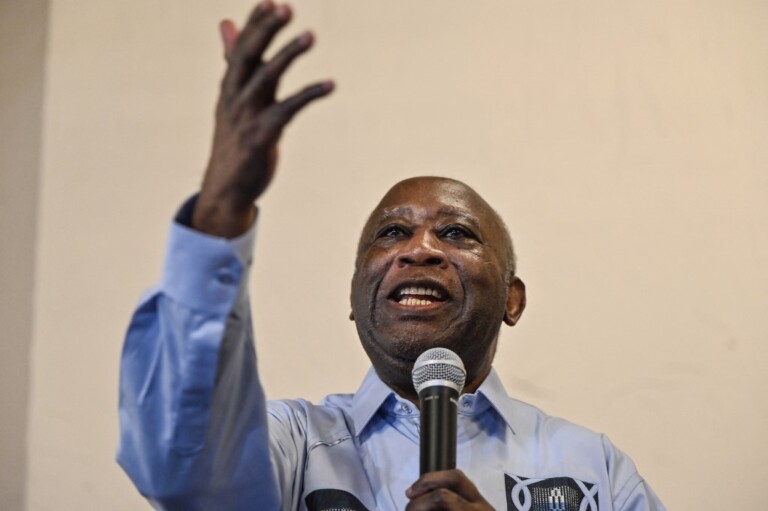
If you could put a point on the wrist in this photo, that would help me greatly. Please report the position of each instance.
(221, 218)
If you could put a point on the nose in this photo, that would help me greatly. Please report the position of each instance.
(422, 249)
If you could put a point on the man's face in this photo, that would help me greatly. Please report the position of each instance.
(430, 272)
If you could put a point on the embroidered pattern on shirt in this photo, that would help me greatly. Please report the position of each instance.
(552, 494)
(329, 499)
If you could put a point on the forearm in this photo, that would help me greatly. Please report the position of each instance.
(192, 411)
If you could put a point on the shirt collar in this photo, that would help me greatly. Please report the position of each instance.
(493, 391)
(368, 399)
(374, 393)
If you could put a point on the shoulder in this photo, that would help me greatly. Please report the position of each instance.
(534, 426)
(528, 419)
(326, 421)
(557, 446)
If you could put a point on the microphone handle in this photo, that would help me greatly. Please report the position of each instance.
(437, 432)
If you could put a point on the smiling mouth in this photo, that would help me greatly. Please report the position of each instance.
(418, 296)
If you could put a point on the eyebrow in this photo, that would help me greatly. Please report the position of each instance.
(388, 214)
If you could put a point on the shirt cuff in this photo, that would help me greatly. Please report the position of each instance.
(204, 272)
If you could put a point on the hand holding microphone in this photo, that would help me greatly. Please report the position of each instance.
(439, 377)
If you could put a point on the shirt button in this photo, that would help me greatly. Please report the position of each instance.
(224, 276)
(404, 408)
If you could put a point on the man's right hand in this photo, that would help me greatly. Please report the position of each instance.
(249, 120)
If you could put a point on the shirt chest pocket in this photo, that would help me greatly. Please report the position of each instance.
(551, 494)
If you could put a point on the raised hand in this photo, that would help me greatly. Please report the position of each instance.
(447, 490)
(250, 120)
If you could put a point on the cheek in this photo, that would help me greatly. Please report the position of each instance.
(375, 264)
(483, 278)
(367, 279)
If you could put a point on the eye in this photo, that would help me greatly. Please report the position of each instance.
(457, 232)
(392, 231)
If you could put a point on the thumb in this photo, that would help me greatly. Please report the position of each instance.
(229, 34)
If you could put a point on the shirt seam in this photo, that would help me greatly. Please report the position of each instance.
(629, 494)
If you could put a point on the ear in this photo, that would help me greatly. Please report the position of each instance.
(515, 302)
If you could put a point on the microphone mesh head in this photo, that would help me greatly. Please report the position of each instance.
(439, 366)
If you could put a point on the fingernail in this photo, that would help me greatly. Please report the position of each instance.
(306, 38)
(282, 12)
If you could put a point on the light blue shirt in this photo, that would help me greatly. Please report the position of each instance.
(198, 434)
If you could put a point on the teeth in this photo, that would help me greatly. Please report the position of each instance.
(412, 302)
(420, 291)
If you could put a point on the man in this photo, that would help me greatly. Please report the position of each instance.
(435, 267)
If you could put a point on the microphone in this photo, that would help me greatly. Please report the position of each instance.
(438, 377)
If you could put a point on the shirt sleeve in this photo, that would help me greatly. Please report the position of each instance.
(642, 498)
(631, 492)
(193, 423)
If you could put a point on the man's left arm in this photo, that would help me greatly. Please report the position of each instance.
(641, 498)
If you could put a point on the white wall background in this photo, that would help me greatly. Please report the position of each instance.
(623, 142)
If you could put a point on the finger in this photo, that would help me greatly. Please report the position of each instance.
(263, 24)
(263, 85)
(440, 499)
(289, 107)
(229, 34)
(278, 115)
(255, 37)
(453, 480)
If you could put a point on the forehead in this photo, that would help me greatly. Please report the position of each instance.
(432, 197)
